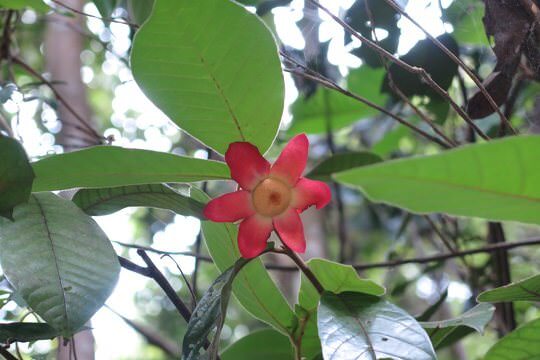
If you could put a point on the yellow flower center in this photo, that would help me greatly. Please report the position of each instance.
(271, 197)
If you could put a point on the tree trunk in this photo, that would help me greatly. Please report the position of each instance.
(63, 46)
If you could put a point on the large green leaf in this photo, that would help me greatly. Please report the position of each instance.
(520, 344)
(475, 318)
(496, 181)
(264, 344)
(106, 201)
(58, 260)
(341, 162)
(254, 288)
(310, 115)
(16, 175)
(525, 290)
(110, 166)
(213, 68)
(365, 327)
(26, 332)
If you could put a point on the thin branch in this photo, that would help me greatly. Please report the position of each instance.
(158, 277)
(60, 98)
(331, 85)
(301, 265)
(123, 22)
(422, 73)
(456, 60)
(397, 90)
(419, 260)
(6, 354)
(163, 252)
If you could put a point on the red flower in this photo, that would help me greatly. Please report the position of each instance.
(270, 197)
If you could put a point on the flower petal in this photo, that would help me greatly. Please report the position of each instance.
(247, 165)
(291, 163)
(310, 192)
(230, 207)
(290, 230)
(253, 234)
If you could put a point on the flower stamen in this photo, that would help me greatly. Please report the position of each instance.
(271, 197)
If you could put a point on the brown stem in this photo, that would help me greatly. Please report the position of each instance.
(301, 265)
(6, 354)
(456, 60)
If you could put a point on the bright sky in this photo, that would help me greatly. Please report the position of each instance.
(158, 131)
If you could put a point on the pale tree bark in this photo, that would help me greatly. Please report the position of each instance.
(63, 46)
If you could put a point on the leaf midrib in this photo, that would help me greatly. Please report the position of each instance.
(451, 185)
(51, 241)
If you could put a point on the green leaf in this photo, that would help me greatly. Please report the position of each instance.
(496, 181)
(341, 162)
(520, 344)
(210, 313)
(475, 318)
(335, 278)
(360, 326)
(37, 5)
(110, 166)
(140, 10)
(105, 7)
(525, 290)
(310, 115)
(106, 201)
(16, 176)
(213, 68)
(73, 267)
(466, 18)
(254, 288)
(264, 344)
(26, 332)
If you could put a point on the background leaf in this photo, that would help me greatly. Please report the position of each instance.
(309, 115)
(495, 181)
(209, 65)
(73, 267)
(341, 162)
(475, 318)
(106, 201)
(360, 326)
(264, 344)
(16, 175)
(26, 332)
(109, 166)
(525, 290)
(254, 288)
(520, 344)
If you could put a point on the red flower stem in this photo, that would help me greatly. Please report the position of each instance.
(301, 265)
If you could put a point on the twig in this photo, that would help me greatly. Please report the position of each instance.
(456, 60)
(397, 90)
(158, 277)
(94, 16)
(301, 265)
(60, 98)
(163, 252)
(6, 354)
(331, 85)
(419, 260)
(422, 73)
(184, 277)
